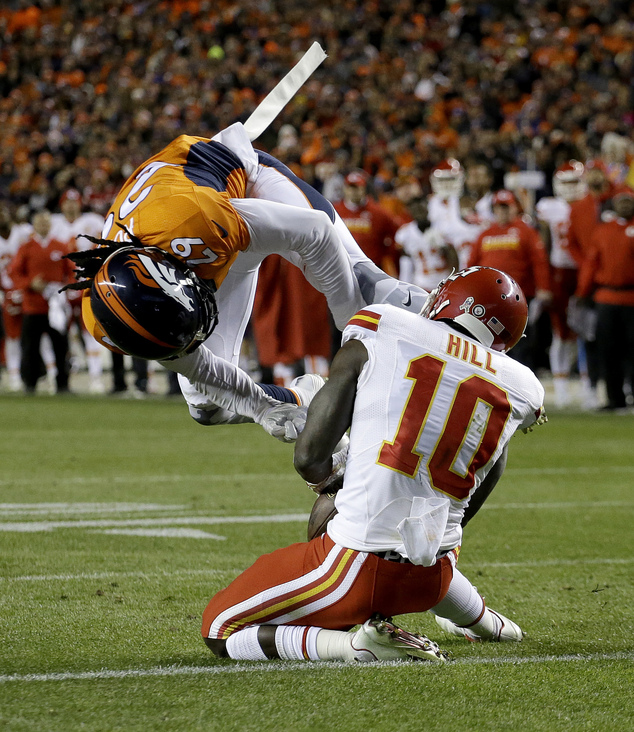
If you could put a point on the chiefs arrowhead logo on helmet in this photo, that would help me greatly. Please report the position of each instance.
(484, 301)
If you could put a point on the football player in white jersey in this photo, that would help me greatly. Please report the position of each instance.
(432, 401)
(447, 184)
(553, 214)
(427, 256)
(71, 226)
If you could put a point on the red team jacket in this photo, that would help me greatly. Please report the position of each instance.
(373, 228)
(33, 259)
(516, 249)
(608, 270)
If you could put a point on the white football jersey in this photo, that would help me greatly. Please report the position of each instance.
(556, 213)
(484, 209)
(433, 412)
(19, 234)
(462, 234)
(424, 248)
(70, 232)
(442, 211)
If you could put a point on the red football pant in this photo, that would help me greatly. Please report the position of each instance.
(322, 584)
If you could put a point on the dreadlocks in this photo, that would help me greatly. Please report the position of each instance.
(88, 263)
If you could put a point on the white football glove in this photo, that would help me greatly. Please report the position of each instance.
(284, 421)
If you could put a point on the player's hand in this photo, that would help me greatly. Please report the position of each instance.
(339, 460)
(284, 421)
(38, 284)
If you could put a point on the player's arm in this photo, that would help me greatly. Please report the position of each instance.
(483, 491)
(330, 414)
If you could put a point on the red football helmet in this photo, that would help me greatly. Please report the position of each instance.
(447, 178)
(488, 303)
(568, 181)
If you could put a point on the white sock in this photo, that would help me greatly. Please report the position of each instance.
(465, 607)
(13, 354)
(244, 645)
(297, 642)
(293, 643)
(462, 604)
(335, 645)
(95, 365)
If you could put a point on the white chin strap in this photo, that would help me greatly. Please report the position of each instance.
(476, 327)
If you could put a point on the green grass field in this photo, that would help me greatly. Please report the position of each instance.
(120, 519)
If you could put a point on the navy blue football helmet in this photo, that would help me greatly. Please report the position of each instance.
(146, 303)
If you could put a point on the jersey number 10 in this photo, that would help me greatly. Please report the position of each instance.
(470, 435)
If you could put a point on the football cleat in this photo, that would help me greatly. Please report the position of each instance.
(378, 639)
(509, 632)
(305, 387)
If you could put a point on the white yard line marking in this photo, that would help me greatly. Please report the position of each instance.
(33, 526)
(290, 477)
(167, 532)
(236, 570)
(293, 667)
(209, 479)
(559, 504)
(121, 575)
(27, 526)
(35, 509)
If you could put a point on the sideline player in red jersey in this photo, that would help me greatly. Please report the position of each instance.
(514, 247)
(432, 401)
(607, 275)
(371, 225)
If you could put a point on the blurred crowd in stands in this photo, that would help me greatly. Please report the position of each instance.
(89, 90)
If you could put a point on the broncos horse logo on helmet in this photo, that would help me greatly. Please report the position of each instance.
(484, 301)
(142, 302)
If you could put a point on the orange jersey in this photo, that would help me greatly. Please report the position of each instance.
(179, 201)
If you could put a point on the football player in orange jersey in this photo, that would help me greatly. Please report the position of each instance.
(217, 208)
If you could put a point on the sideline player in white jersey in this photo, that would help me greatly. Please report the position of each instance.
(432, 401)
(447, 184)
(427, 256)
(71, 226)
(553, 215)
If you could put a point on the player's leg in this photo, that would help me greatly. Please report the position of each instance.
(94, 360)
(299, 603)
(276, 182)
(463, 612)
(12, 318)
